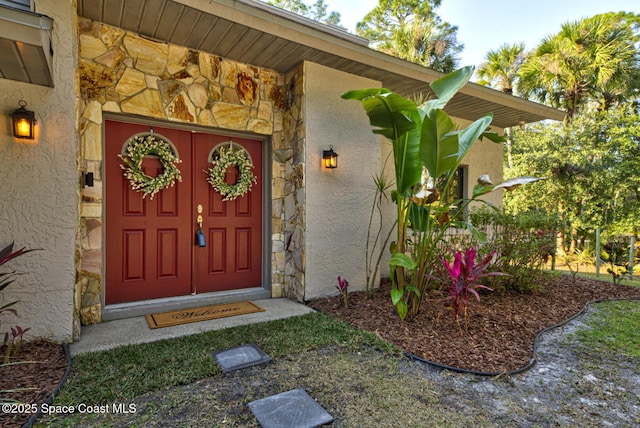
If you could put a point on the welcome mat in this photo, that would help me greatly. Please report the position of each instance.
(205, 313)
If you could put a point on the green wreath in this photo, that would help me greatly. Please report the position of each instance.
(141, 146)
(227, 157)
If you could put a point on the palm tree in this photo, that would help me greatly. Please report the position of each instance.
(425, 41)
(500, 70)
(411, 30)
(592, 59)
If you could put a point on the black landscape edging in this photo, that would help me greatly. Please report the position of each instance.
(49, 400)
(532, 361)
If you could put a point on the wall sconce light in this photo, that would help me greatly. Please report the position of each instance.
(23, 121)
(330, 158)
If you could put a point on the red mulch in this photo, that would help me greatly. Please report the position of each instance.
(42, 368)
(500, 329)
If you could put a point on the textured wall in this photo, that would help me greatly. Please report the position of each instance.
(485, 157)
(338, 201)
(38, 195)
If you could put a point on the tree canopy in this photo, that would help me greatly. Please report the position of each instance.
(317, 12)
(411, 30)
(594, 59)
(591, 69)
(500, 70)
(591, 166)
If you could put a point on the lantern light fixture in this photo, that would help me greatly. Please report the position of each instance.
(330, 158)
(23, 122)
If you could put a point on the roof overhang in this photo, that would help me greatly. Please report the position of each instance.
(25, 46)
(259, 34)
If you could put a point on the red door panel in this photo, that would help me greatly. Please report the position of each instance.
(147, 242)
(232, 258)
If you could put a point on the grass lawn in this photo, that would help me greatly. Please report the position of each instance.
(354, 374)
(614, 330)
(604, 276)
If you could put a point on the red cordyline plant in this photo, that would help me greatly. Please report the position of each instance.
(7, 277)
(342, 287)
(463, 277)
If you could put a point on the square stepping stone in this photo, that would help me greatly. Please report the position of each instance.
(291, 409)
(241, 357)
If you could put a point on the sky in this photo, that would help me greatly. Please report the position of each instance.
(485, 25)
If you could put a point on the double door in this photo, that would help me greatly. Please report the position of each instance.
(151, 246)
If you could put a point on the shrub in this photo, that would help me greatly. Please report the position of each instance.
(616, 254)
(523, 244)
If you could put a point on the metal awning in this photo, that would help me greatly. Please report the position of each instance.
(25, 46)
(259, 34)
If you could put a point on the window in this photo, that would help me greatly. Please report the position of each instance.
(457, 189)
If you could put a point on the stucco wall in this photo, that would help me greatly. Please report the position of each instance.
(485, 157)
(338, 201)
(38, 195)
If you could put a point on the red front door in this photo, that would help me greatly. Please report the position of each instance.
(233, 231)
(150, 244)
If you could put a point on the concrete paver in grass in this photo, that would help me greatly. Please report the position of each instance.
(291, 409)
(241, 357)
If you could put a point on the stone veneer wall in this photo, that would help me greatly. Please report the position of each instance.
(121, 72)
(294, 189)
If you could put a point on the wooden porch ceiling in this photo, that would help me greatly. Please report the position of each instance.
(256, 33)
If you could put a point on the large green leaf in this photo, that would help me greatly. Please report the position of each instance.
(420, 217)
(396, 295)
(438, 145)
(390, 112)
(446, 87)
(493, 136)
(471, 134)
(402, 309)
(406, 151)
(400, 259)
(397, 118)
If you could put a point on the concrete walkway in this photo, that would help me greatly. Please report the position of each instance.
(112, 334)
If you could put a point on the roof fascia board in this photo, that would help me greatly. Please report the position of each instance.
(301, 30)
(313, 35)
(478, 91)
(273, 20)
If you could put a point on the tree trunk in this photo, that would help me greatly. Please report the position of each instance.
(509, 146)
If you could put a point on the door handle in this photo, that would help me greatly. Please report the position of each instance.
(200, 241)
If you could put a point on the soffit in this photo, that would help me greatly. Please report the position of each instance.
(25, 46)
(255, 33)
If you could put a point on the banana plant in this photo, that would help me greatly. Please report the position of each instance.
(422, 137)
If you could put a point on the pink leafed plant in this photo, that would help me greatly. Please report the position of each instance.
(342, 286)
(462, 280)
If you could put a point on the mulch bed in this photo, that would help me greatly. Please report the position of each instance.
(42, 368)
(500, 330)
